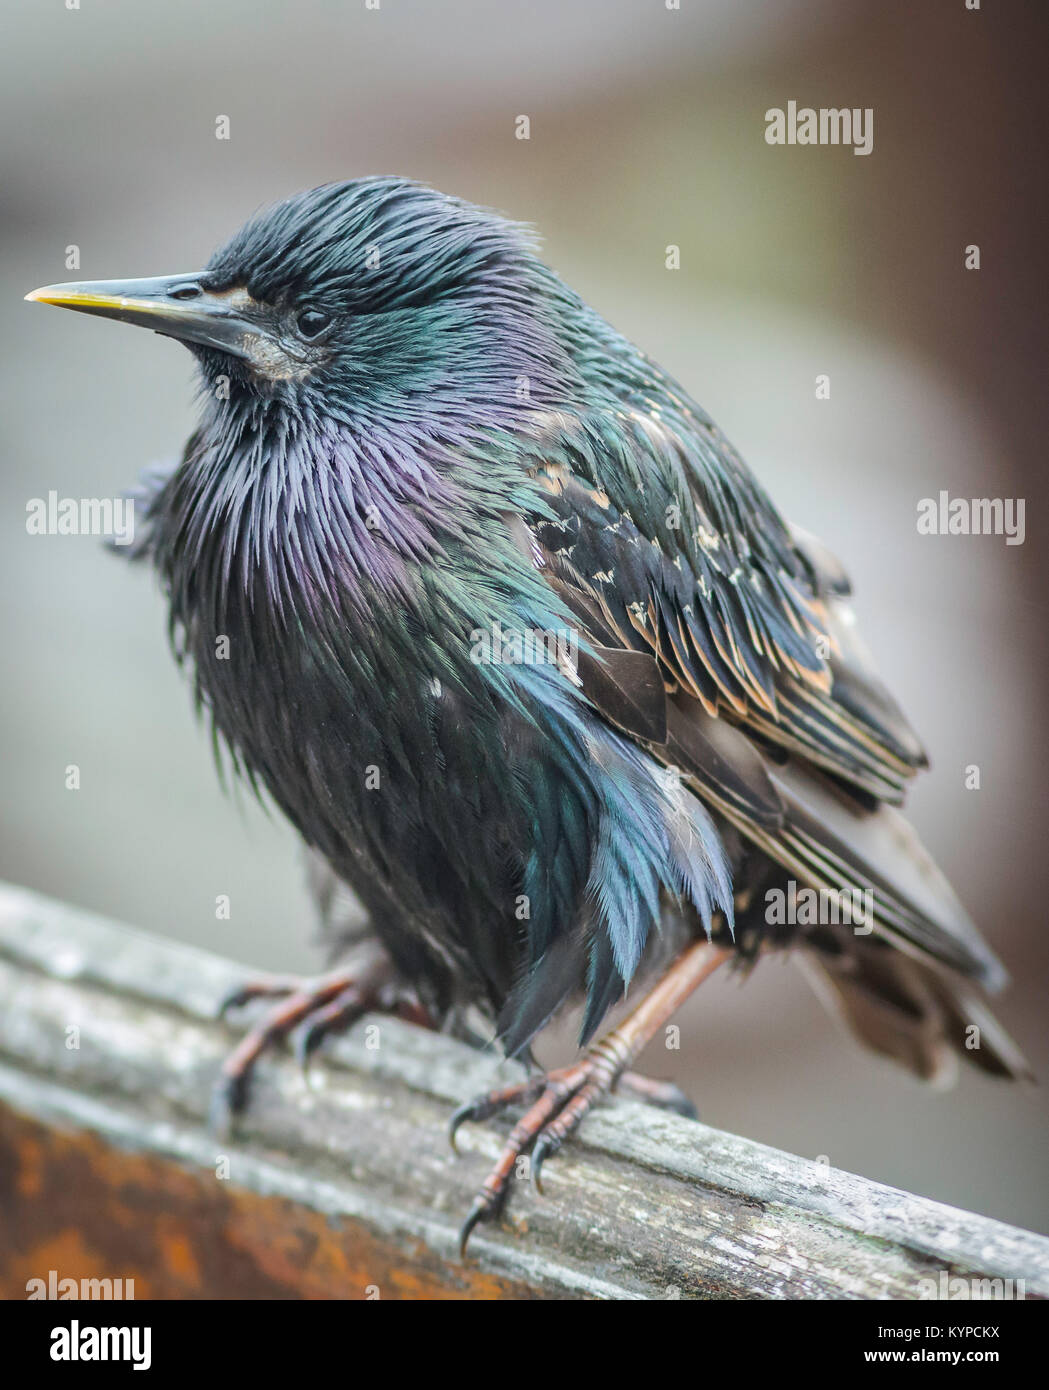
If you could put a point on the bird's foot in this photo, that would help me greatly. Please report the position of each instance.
(307, 1011)
(557, 1101)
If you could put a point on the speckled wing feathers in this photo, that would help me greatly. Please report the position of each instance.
(760, 651)
(772, 710)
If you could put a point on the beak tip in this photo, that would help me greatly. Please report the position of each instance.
(34, 296)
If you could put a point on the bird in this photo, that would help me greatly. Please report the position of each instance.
(492, 610)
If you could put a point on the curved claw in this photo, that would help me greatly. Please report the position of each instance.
(464, 1113)
(228, 1098)
(480, 1211)
(240, 995)
(305, 1042)
(544, 1146)
(233, 999)
(681, 1105)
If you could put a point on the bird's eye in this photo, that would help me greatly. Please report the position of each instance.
(312, 322)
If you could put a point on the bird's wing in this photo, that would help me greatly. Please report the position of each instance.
(722, 642)
(669, 541)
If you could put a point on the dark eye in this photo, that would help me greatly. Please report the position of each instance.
(312, 322)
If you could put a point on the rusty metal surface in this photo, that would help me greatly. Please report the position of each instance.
(72, 1203)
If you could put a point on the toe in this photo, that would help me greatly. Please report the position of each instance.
(665, 1095)
(485, 1106)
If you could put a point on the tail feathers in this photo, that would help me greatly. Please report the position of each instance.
(830, 842)
(965, 1010)
(918, 1014)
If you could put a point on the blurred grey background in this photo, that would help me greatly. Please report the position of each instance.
(647, 128)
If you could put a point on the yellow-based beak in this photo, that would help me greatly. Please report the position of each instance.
(176, 305)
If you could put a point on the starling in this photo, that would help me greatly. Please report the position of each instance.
(502, 622)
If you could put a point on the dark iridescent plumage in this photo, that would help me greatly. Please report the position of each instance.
(469, 445)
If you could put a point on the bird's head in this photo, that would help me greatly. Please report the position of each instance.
(361, 299)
